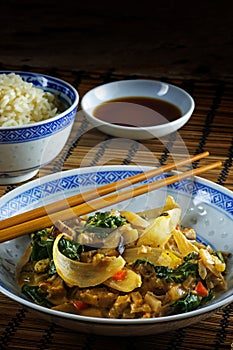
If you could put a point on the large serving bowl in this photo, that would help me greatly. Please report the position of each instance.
(206, 207)
(162, 91)
(24, 149)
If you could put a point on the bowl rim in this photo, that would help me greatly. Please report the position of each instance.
(173, 123)
(57, 117)
(110, 321)
(212, 307)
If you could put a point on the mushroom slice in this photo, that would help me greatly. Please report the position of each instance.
(76, 273)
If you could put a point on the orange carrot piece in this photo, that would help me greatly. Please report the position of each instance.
(201, 289)
(120, 275)
(80, 305)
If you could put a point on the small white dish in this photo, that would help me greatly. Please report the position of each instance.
(206, 207)
(138, 88)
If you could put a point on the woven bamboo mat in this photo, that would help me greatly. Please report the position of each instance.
(210, 128)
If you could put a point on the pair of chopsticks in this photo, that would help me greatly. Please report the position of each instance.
(92, 200)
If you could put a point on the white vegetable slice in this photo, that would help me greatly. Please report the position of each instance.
(168, 258)
(81, 274)
(151, 214)
(184, 245)
(212, 262)
(154, 303)
(131, 281)
(130, 235)
(170, 204)
(126, 231)
(142, 253)
(135, 219)
(159, 231)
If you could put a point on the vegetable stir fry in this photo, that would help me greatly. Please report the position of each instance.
(120, 264)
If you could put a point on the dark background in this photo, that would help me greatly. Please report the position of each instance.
(165, 38)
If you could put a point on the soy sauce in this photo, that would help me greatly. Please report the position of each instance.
(137, 111)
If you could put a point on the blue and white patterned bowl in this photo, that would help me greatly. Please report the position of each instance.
(25, 149)
(206, 207)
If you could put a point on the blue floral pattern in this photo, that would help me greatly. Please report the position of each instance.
(90, 179)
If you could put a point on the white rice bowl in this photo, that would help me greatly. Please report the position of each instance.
(22, 103)
(37, 113)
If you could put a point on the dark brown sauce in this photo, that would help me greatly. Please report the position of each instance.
(137, 111)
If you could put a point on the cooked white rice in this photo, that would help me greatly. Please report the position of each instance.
(21, 103)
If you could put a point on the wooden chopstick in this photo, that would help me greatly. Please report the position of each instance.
(85, 208)
(95, 193)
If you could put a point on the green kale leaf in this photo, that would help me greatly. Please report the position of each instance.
(191, 302)
(70, 249)
(35, 294)
(42, 245)
(102, 223)
(178, 275)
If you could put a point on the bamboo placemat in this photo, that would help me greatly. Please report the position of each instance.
(210, 128)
